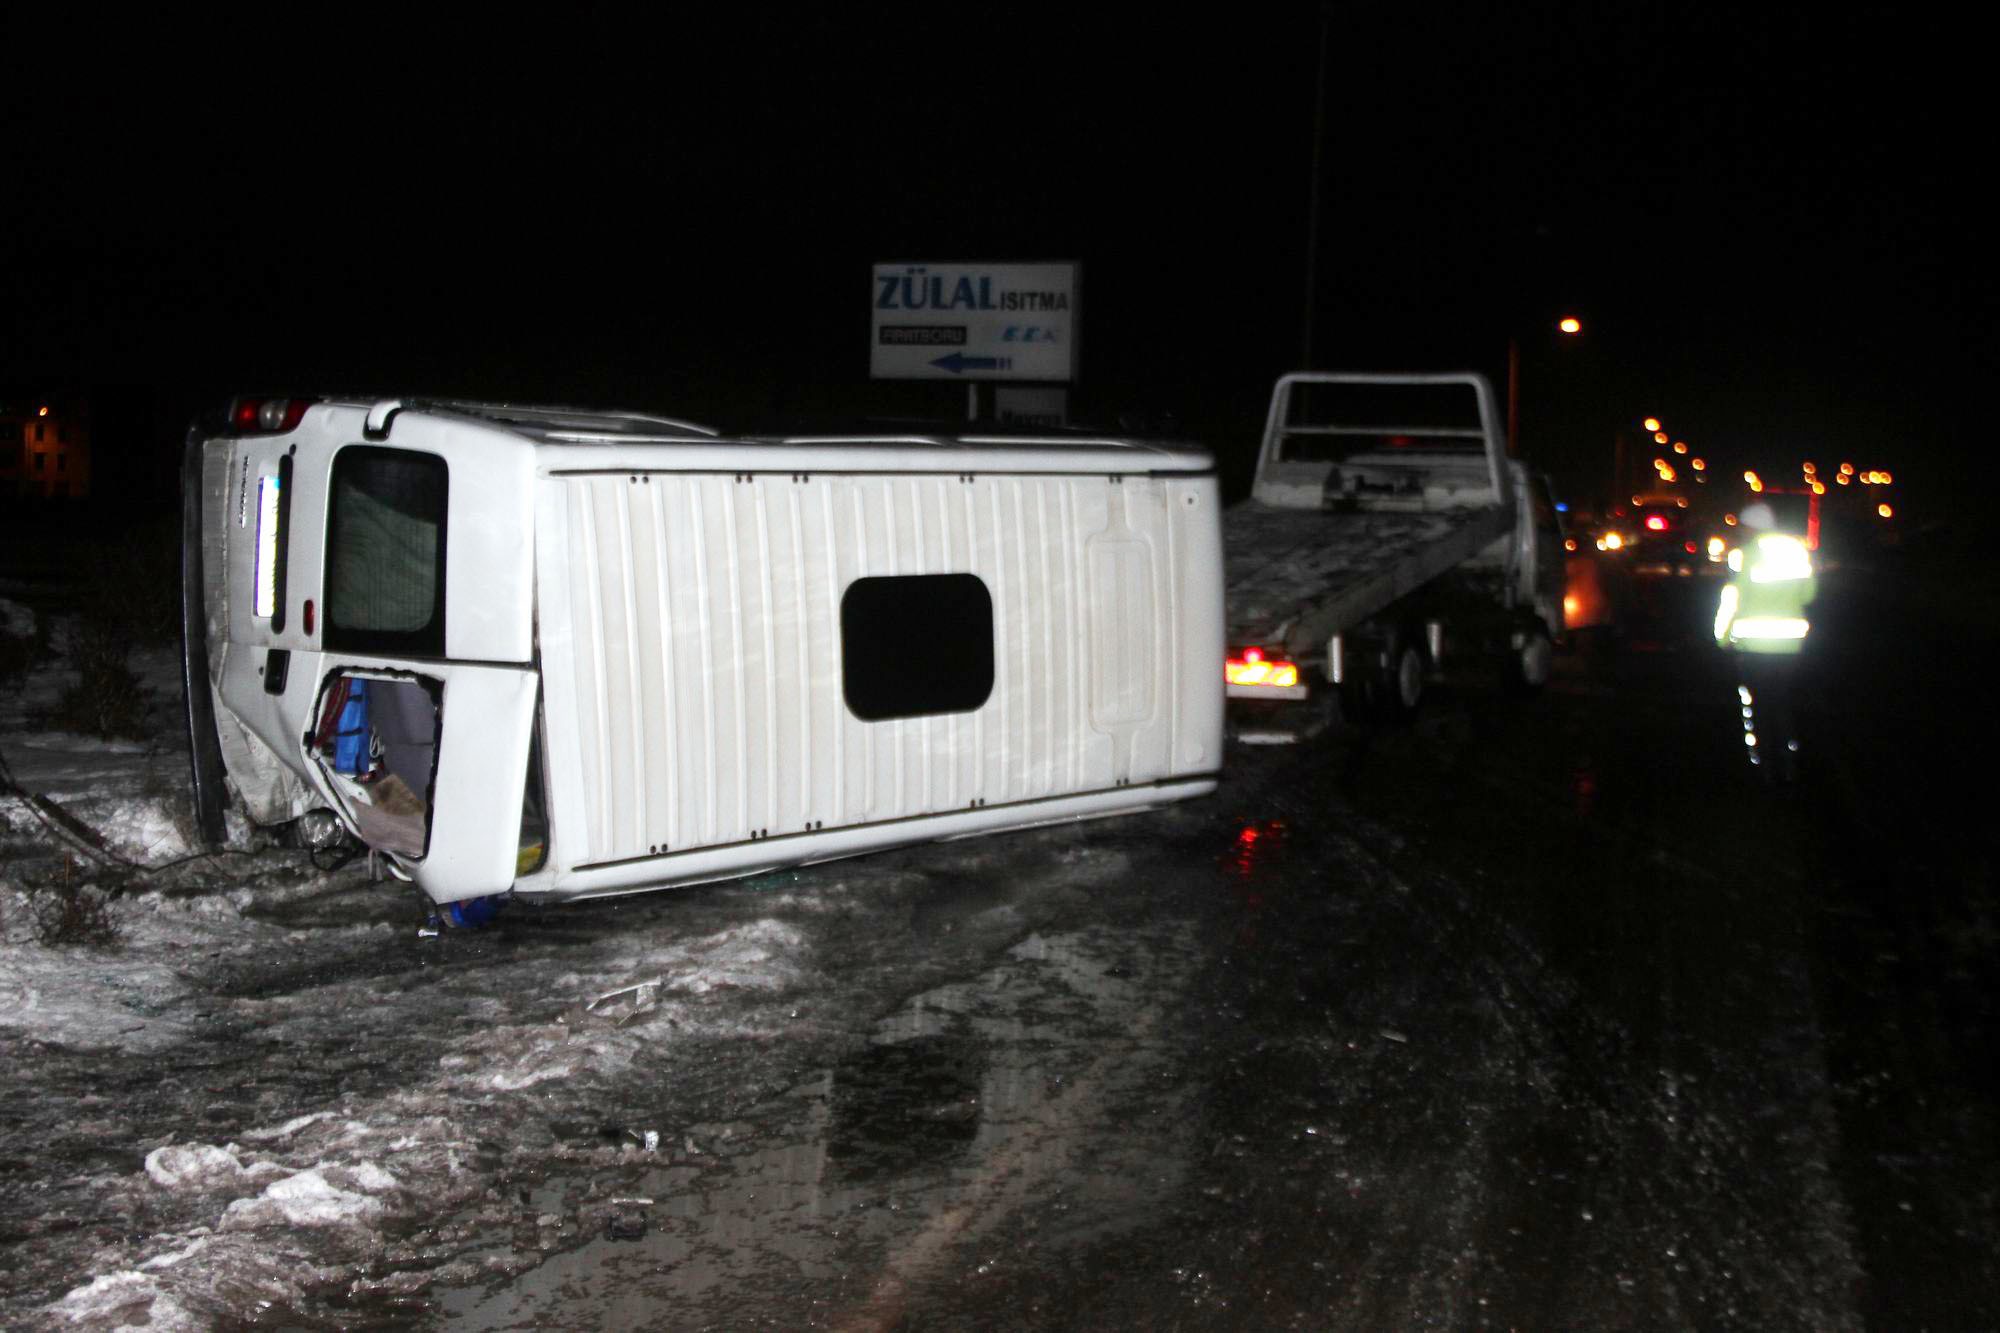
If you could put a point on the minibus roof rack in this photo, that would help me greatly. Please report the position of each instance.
(583, 419)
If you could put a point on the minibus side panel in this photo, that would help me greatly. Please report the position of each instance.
(691, 640)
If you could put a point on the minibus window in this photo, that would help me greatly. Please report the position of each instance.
(376, 740)
(916, 645)
(385, 548)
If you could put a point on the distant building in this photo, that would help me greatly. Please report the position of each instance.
(45, 450)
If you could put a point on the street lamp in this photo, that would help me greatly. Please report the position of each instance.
(1570, 326)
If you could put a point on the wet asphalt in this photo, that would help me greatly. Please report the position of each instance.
(1523, 1014)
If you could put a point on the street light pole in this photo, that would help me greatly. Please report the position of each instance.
(1570, 326)
(1312, 206)
(1513, 395)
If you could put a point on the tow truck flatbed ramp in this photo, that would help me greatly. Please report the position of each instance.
(1339, 569)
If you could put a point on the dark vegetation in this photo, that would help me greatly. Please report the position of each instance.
(19, 651)
(128, 597)
(68, 910)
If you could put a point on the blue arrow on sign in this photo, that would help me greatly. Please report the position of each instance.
(958, 363)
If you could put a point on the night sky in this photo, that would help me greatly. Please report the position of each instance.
(1765, 222)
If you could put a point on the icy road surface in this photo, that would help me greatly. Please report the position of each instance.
(1521, 1017)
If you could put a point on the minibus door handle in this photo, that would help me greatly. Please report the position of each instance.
(277, 666)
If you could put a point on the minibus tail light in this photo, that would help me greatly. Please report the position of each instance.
(266, 416)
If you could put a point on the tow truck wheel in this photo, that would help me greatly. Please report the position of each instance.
(1406, 679)
(1389, 688)
(1530, 663)
(1364, 694)
(1360, 700)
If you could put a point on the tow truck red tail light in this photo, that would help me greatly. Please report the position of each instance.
(1654, 523)
(1254, 668)
(266, 416)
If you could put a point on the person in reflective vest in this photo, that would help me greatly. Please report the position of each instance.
(1771, 583)
(1762, 617)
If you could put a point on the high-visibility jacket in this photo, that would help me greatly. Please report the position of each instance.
(1763, 608)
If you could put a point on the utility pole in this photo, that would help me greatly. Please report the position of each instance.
(1570, 327)
(1313, 205)
(1514, 396)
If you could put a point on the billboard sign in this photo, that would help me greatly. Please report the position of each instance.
(973, 322)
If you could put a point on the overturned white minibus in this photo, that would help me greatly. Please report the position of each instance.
(569, 654)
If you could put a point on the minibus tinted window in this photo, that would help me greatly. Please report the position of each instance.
(915, 645)
(385, 549)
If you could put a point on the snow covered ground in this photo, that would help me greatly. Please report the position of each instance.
(266, 1096)
(167, 1193)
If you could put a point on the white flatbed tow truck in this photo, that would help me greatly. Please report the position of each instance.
(1388, 532)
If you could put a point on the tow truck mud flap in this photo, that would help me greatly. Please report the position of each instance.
(1281, 722)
